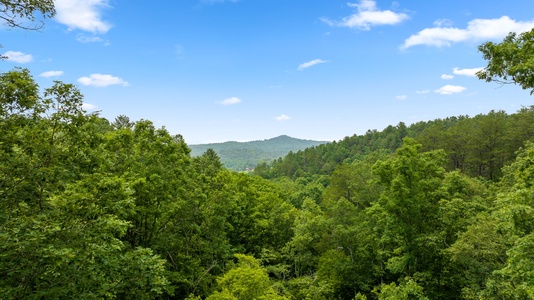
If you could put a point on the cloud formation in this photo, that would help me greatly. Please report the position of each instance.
(282, 118)
(102, 80)
(467, 72)
(447, 76)
(443, 23)
(310, 64)
(88, 106)
(84, 15)
(230, 101)
(91, 39)
(450, 89)
(401, 97)
(367, 16)
(477, 30)
(18, 57)
(49, 74)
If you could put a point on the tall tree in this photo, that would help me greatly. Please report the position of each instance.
(247, 281)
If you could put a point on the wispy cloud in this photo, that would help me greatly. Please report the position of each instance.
(102, 80)
(84, 15)
(367, 16)
(443, 23)
(49, 74)
(82, 38)
(401, 97)
(477, 30)
(88, 39)
(467, 72)
(311, 64)
(230, 101)
(421, 92)
(18, 57)
(447, 76)
(450, 89)
(88, 106)
(282, 118)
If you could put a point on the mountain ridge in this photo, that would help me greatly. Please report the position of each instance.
(240, 156)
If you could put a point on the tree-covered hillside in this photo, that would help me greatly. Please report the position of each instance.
(240, 156)
(121, 210)
(93, 209)
(477, 146)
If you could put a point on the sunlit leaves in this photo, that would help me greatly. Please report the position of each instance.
(511, 61)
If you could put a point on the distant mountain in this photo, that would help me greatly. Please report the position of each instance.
(240, 156)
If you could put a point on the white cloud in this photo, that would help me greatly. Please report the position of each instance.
(102, 80)
(49, 74)
(89, 39)
(310, 64)
(401, 97)
(230, 101)
(450, 89)
(368, 15)
(18, 57)
(423, 92)
(82, 14)
(443, 22)
(447, 76)
(467, 72)
(477, 30)
(88, 106)
(282, 118)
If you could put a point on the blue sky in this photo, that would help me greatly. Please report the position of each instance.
(241, 70)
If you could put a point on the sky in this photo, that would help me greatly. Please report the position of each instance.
(243, 70)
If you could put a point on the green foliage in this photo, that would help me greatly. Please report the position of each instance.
(19, 94)
(14, 13)
(510, 61)
(353, 182)
(247, 280)
(515, 213)
(63, 215)
(240, 156)
(322, 159)
(477, 146)
(411, 202)
(305, 245)
(92, 209)
(407, 290)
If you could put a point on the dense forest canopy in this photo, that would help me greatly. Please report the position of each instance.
(98, 209)
(478, 146)
(93, 209)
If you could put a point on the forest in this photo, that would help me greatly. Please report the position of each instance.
(120, 210)
(92, 208)
(243, 156)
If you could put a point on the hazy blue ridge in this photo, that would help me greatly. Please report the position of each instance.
(239, 156)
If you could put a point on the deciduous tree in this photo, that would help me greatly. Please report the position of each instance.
(511, 61)
(24, 13)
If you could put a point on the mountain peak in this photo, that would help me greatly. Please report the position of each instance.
(243, 155)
